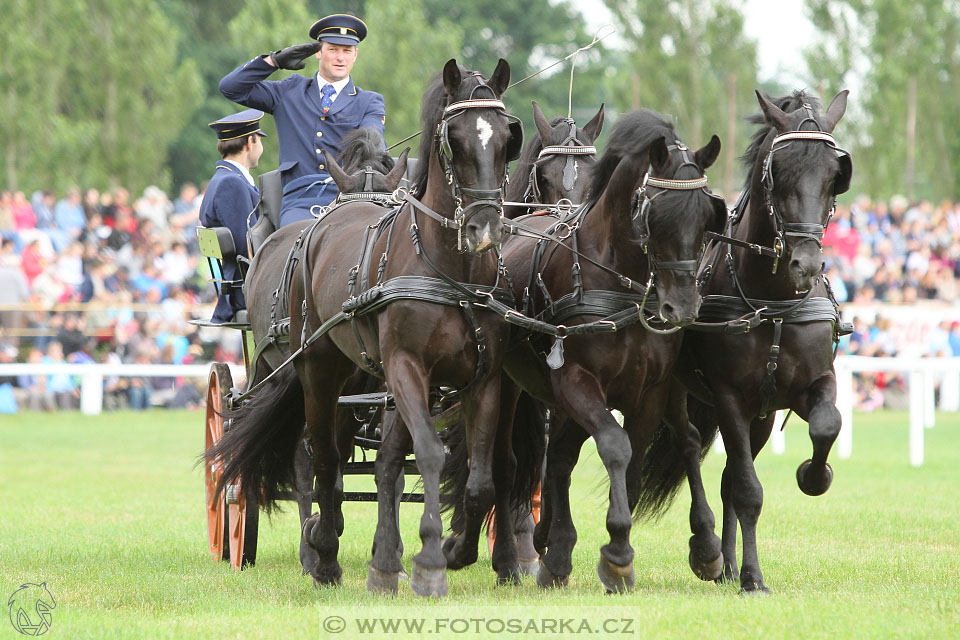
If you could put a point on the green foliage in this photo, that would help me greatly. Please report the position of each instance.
(110, 90)
(878, 47)
(680, 58)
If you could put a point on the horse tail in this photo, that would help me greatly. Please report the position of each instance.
(528, 440)
(454, 475)
(529, 447)
(264, 432)
(662, 470)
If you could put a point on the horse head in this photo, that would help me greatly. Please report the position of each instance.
(674, 209)
(798, 173)
(475, 139)
(565, 154)
(367, 178)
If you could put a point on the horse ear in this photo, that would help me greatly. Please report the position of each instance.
(543, 126)
(836, 110)
(500, 79)
(706, 156)
(336, 172)
(595, 126)
(659, 156)
(393, 178)
(772, 114)
(452, 77)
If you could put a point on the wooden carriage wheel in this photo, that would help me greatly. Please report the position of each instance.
(218, 383)
(243, 522)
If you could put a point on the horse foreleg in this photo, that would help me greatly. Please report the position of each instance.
(815, 475)
(481, 410)
(386, 565)
(584, 401)
(741, 482)
(706, 558)
(505, 557)
(556, 534)
(410, 386)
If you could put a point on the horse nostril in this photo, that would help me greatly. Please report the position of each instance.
(666, 310)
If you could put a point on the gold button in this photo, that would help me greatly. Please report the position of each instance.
(318, 150)
(323, 117)
(319, 134)
(320, 167)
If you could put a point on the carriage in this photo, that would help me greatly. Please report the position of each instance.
(620, 310)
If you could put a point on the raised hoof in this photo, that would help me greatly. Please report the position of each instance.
(449, 547)
(811, 485)
(706, 569)
(529, 567)
(615, 579)
(429, 583)
(385, 582)
(546, 579)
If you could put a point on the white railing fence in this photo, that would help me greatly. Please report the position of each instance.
(922, 376)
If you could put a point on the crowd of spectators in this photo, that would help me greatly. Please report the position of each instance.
(95, 277)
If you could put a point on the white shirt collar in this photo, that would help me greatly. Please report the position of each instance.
(243, 171)
(337, 86)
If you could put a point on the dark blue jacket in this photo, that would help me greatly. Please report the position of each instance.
(302, 127)
(228, 200)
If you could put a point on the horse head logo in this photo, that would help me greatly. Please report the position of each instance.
(30, 609)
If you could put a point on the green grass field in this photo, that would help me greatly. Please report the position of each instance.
(108, 511)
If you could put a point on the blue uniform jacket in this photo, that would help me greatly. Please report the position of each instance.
(226, 203)
(303, 129)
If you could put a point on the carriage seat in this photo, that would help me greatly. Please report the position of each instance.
(268, 211)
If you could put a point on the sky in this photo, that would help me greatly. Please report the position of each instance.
(780, 28)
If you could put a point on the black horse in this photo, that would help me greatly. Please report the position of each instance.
(418, 326)
(638, 236)
(770, 266)
(555, 163)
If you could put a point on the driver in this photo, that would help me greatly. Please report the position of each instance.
(311, 114)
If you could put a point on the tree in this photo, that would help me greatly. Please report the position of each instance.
(904, 57)
(529, 35)
(680, 59)
(93, 93)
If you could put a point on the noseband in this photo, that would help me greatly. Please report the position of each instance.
(480, 197)
(569, 147)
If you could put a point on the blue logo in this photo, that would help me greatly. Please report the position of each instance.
(30, 608)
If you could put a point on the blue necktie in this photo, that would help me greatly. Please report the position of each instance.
(326, 102)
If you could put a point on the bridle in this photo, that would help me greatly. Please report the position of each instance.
(569, 147)
(784, 231)
(480, 197)
(641, 215)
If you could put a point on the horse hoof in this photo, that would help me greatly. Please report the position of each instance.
(529, 567)
(386, 582)
(328, 577)
(509, 578)
(547, 580)
(706, 560)
(615, 579)
(754, 589)
(429, 583)
(306, 530)
(814, 486)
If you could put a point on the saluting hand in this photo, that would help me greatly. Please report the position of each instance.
(292, 58)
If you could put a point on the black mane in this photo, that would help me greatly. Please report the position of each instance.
(634, 132)
(791, 159)
(431, 111)
(364, 147)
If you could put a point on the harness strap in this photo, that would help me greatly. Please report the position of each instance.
(768, 388)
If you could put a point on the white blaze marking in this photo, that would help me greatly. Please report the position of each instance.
(485, 131)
